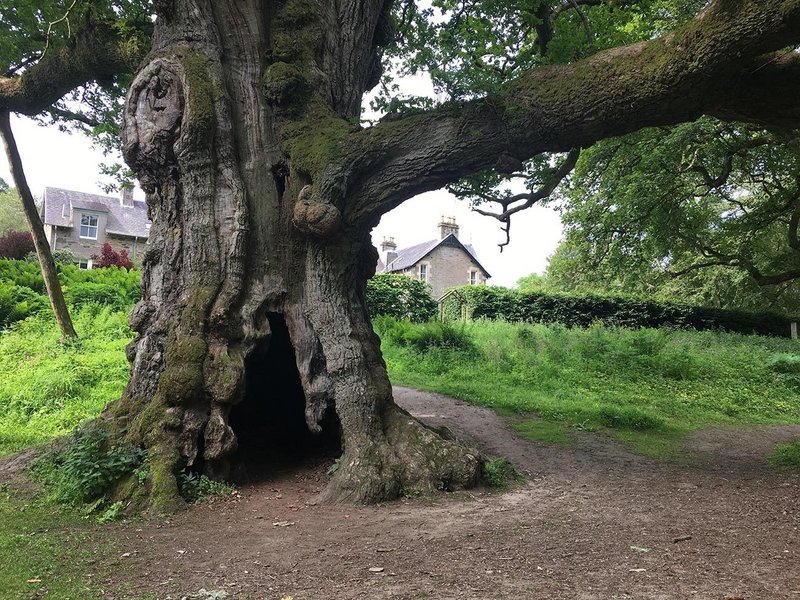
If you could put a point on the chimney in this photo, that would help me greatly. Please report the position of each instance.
(388, 250)
(447, 226)
(126, 196)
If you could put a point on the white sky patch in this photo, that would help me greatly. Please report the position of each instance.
(57, 159)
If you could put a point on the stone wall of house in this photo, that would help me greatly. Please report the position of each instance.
(84, 248)
(448, 267)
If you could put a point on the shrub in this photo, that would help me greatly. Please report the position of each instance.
(16, 245)
(786, 456)
(22, 273)
(109, 257)
(22, 290)
(196, 488)
(625, 417)
(401, 297)
(784, 363)
(86, 468)
(498, 472)
(422, 337)
(63, 256)
(81, 294)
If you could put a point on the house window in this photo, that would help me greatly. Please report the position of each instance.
(473, 277)
(423, 272)
(86, 264)
(89, 227)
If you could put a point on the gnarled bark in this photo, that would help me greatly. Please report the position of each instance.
(227, 126)
(263, 193)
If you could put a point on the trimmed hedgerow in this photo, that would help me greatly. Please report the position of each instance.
(485, 302)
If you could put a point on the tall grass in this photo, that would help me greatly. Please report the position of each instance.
(48, 387)
(647, 386)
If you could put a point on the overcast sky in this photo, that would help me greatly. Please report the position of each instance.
(57, 159)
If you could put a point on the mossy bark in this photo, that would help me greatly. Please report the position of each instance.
(229, 134)
(241, 128)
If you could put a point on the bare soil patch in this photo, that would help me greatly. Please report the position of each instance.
(592, 522)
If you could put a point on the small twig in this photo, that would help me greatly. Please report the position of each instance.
(586, 27)
(63, 19)
(683, 538)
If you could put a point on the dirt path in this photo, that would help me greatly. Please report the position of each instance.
(593, 522)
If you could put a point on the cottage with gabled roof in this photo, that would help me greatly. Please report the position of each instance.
(84, 222)
(442, 263)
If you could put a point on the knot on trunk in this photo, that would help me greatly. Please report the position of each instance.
(314, 216)
(152, 121)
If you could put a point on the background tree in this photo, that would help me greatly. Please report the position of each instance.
(668, 211)
(401, 297)
(44, 59)
(11, 217)
(241, 126)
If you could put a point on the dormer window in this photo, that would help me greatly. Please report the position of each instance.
(89, 227)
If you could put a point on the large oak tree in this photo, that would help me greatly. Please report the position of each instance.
(242, 127)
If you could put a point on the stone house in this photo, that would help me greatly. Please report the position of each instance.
(84, 222)
(443, 263)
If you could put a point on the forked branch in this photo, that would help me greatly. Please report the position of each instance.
(527, 199)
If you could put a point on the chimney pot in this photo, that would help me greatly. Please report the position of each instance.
(448, 226)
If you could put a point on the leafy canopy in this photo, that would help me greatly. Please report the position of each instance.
(673, 211)
(34, 29)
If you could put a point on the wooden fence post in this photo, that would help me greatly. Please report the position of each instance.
(793, 327)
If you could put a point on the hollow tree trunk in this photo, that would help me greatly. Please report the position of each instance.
(228, 125)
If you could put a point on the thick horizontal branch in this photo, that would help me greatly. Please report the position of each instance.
(96, 52)
(719, 65)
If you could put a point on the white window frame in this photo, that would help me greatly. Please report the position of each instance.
(424, 272)
(473, 277)
(88, 262)
(89, 227)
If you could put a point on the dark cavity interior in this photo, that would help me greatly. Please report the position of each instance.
(270, 421)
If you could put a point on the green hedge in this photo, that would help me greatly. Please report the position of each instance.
(476, 302)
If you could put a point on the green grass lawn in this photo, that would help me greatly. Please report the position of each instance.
(646, 387)
(46, 551)
(47, 388)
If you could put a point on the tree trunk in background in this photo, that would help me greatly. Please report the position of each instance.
(45, 256)
(228, 125)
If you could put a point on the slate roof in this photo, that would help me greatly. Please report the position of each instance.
(408, 257)
(130, 221)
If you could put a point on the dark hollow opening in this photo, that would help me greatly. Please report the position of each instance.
(270, 422)
(280, 172)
